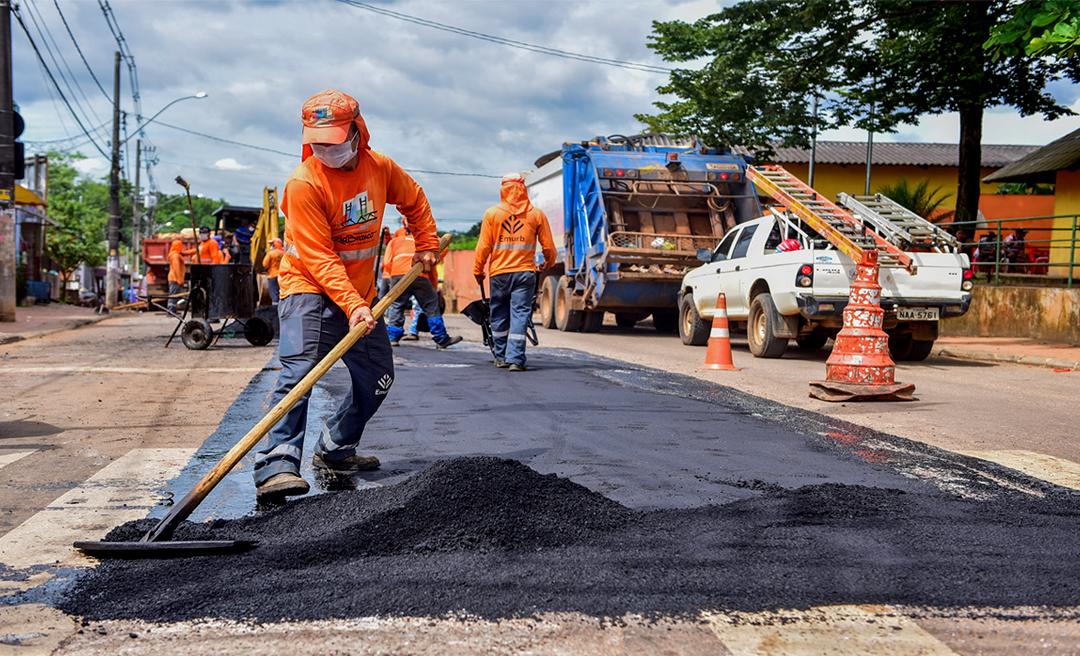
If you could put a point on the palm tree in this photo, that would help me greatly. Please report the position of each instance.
(919, 199)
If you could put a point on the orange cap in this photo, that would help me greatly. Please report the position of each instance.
(327, 116)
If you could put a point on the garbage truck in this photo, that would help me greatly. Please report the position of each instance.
(628, 215)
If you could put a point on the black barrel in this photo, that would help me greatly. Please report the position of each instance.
(222, 291)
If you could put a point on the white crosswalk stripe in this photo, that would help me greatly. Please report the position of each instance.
(8, 458)
(1058, 471)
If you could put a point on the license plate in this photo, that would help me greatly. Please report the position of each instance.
(918, 314)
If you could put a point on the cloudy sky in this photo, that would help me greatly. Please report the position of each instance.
(436, 101)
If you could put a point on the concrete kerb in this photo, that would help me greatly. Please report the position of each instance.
(68, 324)
(990, 356)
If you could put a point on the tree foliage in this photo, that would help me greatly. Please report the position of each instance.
(78, 237)
(918, 198)
(873, 64)
(1038, 29)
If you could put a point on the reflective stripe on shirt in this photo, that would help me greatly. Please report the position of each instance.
(346, 256)
(514, 247)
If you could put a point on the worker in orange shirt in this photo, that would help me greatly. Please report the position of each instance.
(397, 263)
(272, 263)
(208, 251)
(508, 235)
(334, 203)
(177, 271)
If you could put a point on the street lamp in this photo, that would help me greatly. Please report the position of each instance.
(201, 94)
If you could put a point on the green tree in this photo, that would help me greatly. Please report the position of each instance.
(465, 240)
(873, 64)
(919, 198)
(1038, 29)
(78, 237)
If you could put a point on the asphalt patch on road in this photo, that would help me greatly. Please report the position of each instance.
(490, 537)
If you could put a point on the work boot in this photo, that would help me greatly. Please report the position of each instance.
(501, 365)
(279, 486)
(450, 341)
(518, 367)
(410, 337)
(352, 463)
(395, 342)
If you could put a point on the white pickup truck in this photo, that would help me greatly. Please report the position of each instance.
(801, 294)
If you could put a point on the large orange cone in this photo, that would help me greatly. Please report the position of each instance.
(859, 368)
(718, 356)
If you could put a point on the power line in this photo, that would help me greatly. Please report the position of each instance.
(282, 152)
(18, 16)
(647, 68)
(62, 18)
(46, 36)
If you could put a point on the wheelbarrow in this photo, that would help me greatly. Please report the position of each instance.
(479, 312)
(222, 293)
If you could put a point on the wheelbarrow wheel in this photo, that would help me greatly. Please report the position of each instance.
(197, 334)
(257, 331)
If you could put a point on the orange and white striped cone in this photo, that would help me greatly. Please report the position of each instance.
(859, 368)
(718, 355)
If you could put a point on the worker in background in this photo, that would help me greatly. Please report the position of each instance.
(397, 262)
(508, 234)
(225, 246)
(272, 263)
(208, 251)
(334, 203)
(436, 278)
(177, 271)
(384, 275)
(242, 242)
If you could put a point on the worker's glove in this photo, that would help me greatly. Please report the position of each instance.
(360, 315)
(480, 279)
(427, 258)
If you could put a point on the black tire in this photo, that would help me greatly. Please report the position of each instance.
(920, 350)
(547, 301)
(593, 320)
(665, 321)
(566, 320)
(812, 342)
(900, 347)
(693, 330)
(197, 334)
(257, 332)
(623, 320)
(761, 329)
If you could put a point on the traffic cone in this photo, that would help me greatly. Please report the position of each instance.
(859, 368)
(718, 355)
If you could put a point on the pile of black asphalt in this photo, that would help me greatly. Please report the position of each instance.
(475, 534)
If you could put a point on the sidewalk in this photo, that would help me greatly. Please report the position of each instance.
(41, 320)
(1019, 350)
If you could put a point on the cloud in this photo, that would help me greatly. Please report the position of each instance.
(230, 164)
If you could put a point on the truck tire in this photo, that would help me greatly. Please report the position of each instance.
(899, 347)
(812, 342)
(566, 320)
(665, 321)
(593, 320)
(547, 302)
(624, 320)
(693, 330)
(761, 329)
(920, 350)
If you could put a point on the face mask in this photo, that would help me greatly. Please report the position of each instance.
(203, 236)
(335, 156)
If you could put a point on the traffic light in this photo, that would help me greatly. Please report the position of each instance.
(20, 148)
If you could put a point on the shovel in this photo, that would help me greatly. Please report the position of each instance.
(156, 544)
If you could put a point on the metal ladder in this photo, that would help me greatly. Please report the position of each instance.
(833, 223)
(898, 224)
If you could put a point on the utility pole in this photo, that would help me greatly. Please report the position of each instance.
(7, 170)
(136, 254)
(112, 270)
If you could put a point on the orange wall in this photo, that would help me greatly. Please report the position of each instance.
(459, 285)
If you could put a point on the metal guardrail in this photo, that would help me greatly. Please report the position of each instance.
(1000, 261)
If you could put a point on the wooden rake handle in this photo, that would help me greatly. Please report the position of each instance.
(181, 511)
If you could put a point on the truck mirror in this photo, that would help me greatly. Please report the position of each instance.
(704, 254)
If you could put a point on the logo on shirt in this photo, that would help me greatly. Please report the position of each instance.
(383, 386)
(511, 226)
(356, 212)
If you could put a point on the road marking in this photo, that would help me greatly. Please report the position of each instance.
(1058, 471)
(8, 458)
(124, 370)
(825, 631)
(122, 491)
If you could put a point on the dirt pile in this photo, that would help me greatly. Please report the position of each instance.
(493, 538)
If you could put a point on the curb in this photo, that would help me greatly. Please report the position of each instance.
(991, 356)
(70, 324)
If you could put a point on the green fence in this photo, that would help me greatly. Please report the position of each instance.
(995, 254)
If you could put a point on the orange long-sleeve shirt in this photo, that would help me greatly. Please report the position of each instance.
(177, 268)
(332, 225)
(208, 253)
(272, 262)
(510, 241)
